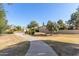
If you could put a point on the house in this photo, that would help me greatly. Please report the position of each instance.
(43, 29)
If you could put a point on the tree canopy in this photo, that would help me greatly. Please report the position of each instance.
(51, 26)
(74, 21)
(32, 24)
(3, 21)
(61, 24)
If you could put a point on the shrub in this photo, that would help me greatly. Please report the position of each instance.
(31, 31)
(10, 31)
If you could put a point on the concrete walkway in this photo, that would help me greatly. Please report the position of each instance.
(39, 48)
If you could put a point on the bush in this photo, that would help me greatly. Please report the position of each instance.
(10, 31)
(31, 31)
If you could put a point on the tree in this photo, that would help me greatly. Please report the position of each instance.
(52, 27)
(3, 21)
(55, 27)
(74, 21)
(32, 27)
(18, 28)
(61, 24)
(43, 24)
(33, 24)
(28, 26)
(69, 24)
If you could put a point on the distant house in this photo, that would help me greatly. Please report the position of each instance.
(43, 29)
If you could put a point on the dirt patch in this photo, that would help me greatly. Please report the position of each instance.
(13, 45)
(68, 38)
(6, 40)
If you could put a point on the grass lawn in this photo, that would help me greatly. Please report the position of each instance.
(13, 45)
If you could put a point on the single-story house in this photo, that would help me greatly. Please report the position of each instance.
(43, 29)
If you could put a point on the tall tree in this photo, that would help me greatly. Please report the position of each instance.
(43, 24)
(33, 24)
(52, 27)
(18, 28)
(61, 24)
(3, 21)
(74, 21)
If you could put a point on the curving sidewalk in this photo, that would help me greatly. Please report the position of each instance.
(39, 48)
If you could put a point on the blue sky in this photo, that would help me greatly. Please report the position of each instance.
(23, 13)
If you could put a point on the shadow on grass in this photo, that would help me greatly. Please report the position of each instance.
(64, 49)
(19, 49)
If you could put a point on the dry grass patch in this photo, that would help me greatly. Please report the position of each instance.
(63, 44)
(68, 38)
(13, 45)
(6, 40)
